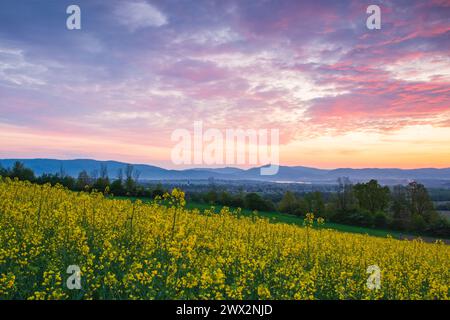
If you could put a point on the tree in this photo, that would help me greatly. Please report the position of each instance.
(225, 198)
(62, 172)
(117, 188)
(158, 191)
(314, 202)
(136, 175)
(103, 171)
(83, 180)
(401, 215)
(288, 203)
(412, 208)
(345, 196)
(237, 201)
(254, 201)
(440, 228)
(120, 174)
(117, 185)
(3, 171)
(129, 182)
(211, 196)
(380, 220)
(372, 196)
(103, 181)
(21, 172)
(419, 202)
(94, 175)
(418, 223)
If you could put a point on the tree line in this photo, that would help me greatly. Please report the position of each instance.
(125, 183)
(403, 208)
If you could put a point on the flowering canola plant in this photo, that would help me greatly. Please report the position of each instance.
(160, 250)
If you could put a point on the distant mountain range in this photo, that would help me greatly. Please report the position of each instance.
(285, 174)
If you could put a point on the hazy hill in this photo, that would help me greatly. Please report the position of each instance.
(285, 173)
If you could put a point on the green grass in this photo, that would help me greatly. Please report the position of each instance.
(291, 219)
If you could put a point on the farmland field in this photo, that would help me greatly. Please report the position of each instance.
(279, 217)
(296, 220)
(136, 250)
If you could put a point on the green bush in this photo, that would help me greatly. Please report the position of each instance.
(380, 220)
(418, 223)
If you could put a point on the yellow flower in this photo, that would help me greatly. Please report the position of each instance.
(161, 250)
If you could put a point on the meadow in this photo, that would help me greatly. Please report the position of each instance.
(163, 250)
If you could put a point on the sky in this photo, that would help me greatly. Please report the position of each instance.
(340, 94)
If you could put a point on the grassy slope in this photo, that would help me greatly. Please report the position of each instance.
(291, 219)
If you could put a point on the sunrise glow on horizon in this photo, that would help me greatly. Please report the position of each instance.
(340, 94)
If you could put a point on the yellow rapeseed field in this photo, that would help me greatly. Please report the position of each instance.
(135, 250)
